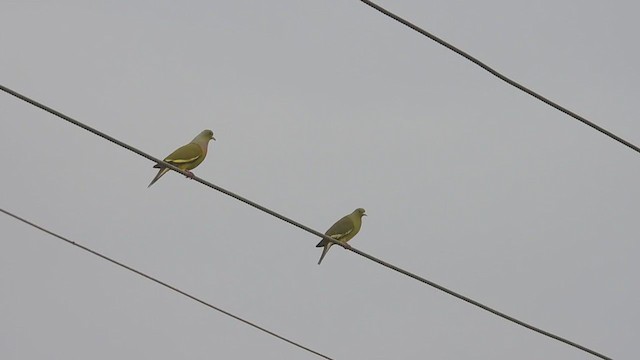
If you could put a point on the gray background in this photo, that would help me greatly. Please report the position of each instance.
(320, 107)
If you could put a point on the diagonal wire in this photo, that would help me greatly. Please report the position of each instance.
(171, 287)
(306, 228)
(501, 76)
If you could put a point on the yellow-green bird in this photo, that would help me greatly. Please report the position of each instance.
(343, 230)
(187, 157)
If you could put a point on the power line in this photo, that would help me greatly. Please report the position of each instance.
(306, 228)
(171, 287)
(500, 76)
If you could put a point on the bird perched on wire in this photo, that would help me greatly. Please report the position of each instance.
(187, 157)
(343, 230)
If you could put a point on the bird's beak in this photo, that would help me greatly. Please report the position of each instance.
(364, 214)
(214, 139)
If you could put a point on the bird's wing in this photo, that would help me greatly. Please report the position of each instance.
(339, 230)
(185, 154)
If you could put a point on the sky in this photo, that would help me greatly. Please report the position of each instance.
(320, 107)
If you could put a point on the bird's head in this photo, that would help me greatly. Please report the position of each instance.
(204, 137)
(359, 211)
(209, 134)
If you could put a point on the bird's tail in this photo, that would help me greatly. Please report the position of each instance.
(161, 172)
(324, 251)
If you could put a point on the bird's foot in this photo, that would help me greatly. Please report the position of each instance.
(345, 245)
(189, 174)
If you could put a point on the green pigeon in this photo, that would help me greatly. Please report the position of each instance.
(343, 230)
(187, 157)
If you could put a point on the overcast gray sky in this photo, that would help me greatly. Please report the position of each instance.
(320, 107)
